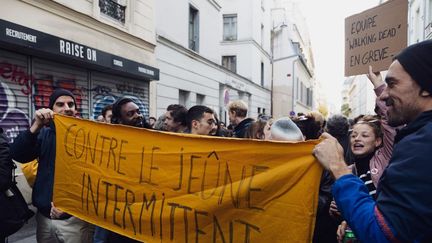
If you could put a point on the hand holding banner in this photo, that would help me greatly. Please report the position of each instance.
(163, 187)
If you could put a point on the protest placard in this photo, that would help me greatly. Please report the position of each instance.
(375, 36)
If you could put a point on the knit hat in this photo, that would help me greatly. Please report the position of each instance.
(116, 109)
(57, 93)
(417, 62)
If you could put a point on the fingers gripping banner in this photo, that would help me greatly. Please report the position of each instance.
(161, 187)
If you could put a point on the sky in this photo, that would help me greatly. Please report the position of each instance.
(326, 24)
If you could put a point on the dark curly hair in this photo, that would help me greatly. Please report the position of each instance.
(337, 126)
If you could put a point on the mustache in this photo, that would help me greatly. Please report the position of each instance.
(389, 102)
(139, 122)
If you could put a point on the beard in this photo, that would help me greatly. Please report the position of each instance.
(395, 119)
(68, 113)
(139, 122)
(402, 115)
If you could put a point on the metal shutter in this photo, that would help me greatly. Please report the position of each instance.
(49, 75)
(14, 94)
(106, 88)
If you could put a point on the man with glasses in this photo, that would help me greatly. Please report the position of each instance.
(53, 225)
(200, 120)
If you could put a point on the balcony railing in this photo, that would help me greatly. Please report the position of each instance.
(113, 10)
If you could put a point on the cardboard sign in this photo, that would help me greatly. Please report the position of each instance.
(375, 36)
(164, 187)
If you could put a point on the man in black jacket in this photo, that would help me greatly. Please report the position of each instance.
(237, 112)
(53, 225)
(5, 168)
(5, 163)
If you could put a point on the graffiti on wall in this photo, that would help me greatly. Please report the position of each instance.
(12, 120)
(16, 74)
(17, 86)
(43, 88)
(105, 95)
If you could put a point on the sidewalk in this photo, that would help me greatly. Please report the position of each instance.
(27, 234)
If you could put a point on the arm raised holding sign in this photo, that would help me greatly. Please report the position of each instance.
(402, 211)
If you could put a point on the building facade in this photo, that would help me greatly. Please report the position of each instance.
(293, 78)
(99, 50)
(419, 29)
(209, 53)
(358, 97)
(420, 20)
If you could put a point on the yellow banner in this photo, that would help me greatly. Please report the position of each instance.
(163, 187)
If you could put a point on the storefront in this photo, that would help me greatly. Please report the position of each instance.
(33, 64)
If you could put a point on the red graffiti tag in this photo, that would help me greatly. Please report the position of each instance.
(17, 75)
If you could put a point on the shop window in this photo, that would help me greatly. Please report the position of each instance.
(230, 27)
(230, 63)
(184, 98)
(115, 9)
(193, 29)
(262, 74)
(200, 99)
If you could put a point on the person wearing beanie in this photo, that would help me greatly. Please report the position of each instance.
(57, 94)
(402, 211)
(38, 142)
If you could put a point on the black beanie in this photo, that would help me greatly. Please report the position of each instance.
(116, 109)
(56, 94)
(417, 62)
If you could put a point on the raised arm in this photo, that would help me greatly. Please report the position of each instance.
(383, 154)
(26, 146)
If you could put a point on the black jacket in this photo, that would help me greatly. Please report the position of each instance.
(6, 163)
(240, 129)
(27, 147)
(405, 188)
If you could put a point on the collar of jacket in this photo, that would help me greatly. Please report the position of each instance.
(414, 126)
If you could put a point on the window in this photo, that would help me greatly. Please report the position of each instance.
(193, 29)
(200, 99)
(113, 9)
(230, 27)
(262, 74)
(262, 35)
(230, 63)
(309, 97)
(184, 97)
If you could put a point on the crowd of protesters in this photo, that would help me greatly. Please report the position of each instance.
(376, 179)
